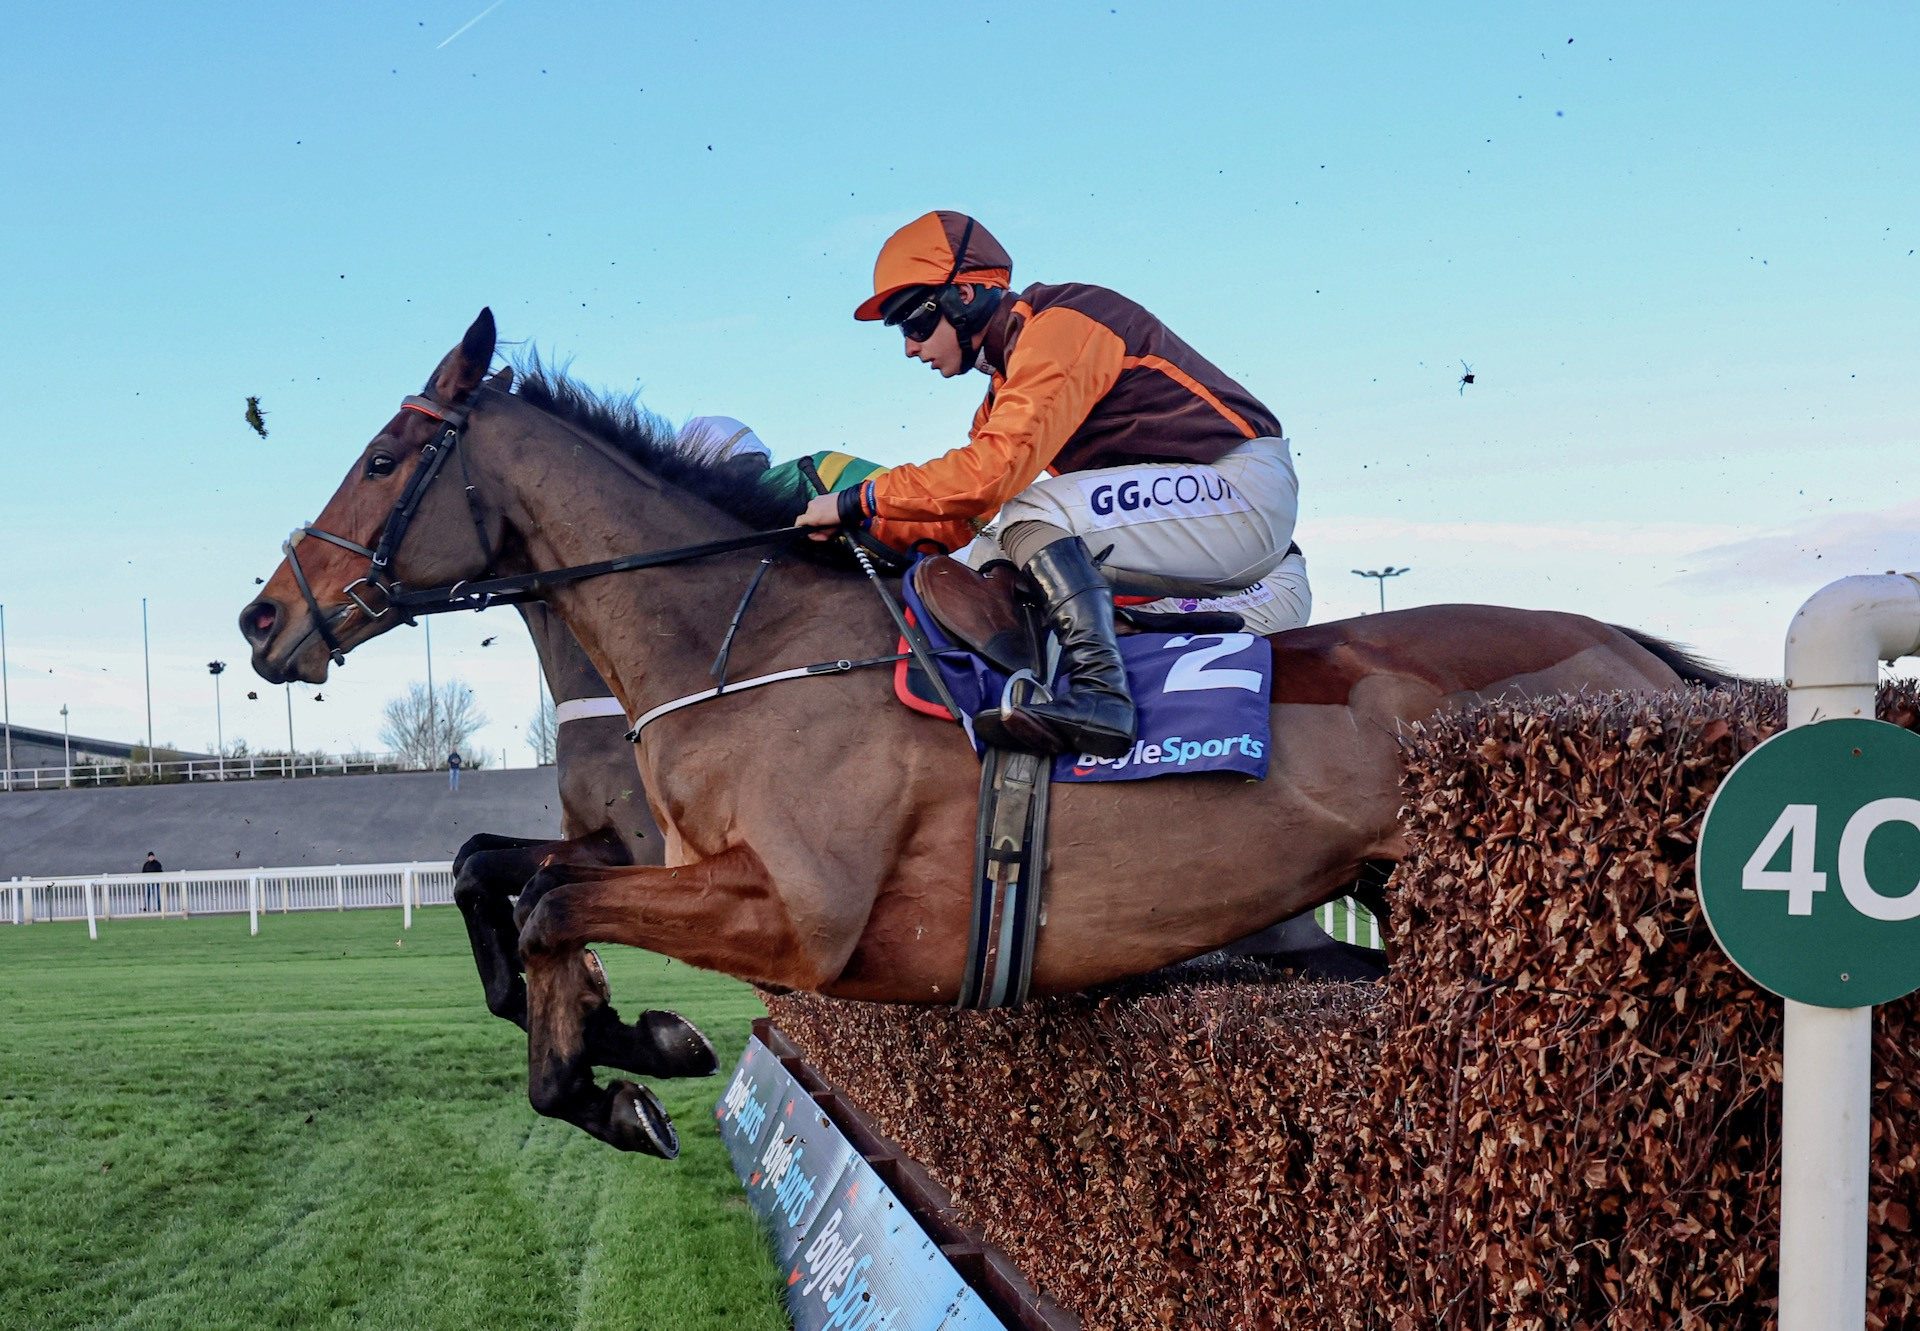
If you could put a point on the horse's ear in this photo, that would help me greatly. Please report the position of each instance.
(461, 372)
(502, 381)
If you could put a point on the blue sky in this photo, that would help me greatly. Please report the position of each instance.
(1676, 244)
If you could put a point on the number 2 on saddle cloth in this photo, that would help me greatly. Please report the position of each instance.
(1202, 700)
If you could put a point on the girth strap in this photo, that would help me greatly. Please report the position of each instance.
(798, 672)
(581, 709)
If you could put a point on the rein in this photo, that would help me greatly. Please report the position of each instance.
(468, 594)
(478, 594)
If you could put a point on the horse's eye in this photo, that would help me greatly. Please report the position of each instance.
(379, 465)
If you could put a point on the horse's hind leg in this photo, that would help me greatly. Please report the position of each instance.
(720, 907)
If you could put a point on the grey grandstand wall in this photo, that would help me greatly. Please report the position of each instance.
(391, 818)
(49, 749)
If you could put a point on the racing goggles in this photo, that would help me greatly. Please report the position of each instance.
(915, 312)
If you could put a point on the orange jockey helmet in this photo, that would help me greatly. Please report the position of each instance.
(924, 259)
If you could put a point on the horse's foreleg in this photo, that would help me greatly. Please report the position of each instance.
(715, 913)
(487, 873)
(660, 1044)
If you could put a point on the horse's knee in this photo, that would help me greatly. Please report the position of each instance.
(470, 890)
(534, 914)
(472, 846)
(551, 1097)
(507, 999)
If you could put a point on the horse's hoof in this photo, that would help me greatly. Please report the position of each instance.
(680, 1048)
(596, 974)
(637, 1122)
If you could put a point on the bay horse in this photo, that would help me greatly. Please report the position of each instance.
(818, 836)
(605, 820)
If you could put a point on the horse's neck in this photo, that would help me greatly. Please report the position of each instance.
(569, 499)
(568, 670)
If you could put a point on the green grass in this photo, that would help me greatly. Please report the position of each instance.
(321, 1128)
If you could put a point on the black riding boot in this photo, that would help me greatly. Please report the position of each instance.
(1093, 712)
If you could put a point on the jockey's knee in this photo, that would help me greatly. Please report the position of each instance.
(1026, 538)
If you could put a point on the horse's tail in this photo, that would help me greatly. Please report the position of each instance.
(1690, 668)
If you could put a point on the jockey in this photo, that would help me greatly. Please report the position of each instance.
(1101, 429)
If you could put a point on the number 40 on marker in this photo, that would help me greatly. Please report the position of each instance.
(1798, 828)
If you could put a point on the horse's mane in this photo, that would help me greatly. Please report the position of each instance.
(649, 440)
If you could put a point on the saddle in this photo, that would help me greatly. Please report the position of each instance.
(993, 612)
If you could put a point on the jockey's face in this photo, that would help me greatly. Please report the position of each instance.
(941, 349)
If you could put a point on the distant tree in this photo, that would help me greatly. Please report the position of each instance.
(543, 732)
(147, 767)
(422, 728)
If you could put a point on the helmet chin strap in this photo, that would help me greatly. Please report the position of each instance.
(970, 319)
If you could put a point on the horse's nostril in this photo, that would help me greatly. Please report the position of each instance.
(258, 620)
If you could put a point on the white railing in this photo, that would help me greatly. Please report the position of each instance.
(133, 896)
(194, 769)
(249, 892)
(1349, 922)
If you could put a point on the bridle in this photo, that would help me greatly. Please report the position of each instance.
(478, 594)
(376, 594)
(433, 456)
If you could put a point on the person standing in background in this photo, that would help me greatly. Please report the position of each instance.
(453, 770)
(152, 865)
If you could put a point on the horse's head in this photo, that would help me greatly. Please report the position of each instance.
(388, 524)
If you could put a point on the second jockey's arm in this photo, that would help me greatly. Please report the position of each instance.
(821, 513)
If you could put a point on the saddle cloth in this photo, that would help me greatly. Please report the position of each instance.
(1203, 700)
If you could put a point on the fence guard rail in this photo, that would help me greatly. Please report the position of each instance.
(94, 897)
(126, 772)
(249, 892)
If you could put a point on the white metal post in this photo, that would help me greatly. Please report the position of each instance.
(406, 897)
(1825, 1113)
(339, 891)
(253, 904)
(1833, 654)
(93, 929)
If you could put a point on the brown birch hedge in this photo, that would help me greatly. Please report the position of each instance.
(1559, 1111)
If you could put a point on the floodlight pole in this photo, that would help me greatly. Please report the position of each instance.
(433, 713)
(66, 744)
(540, 715)
(1380, 576)
(146, 658)
(216, 669)
(6, 703)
